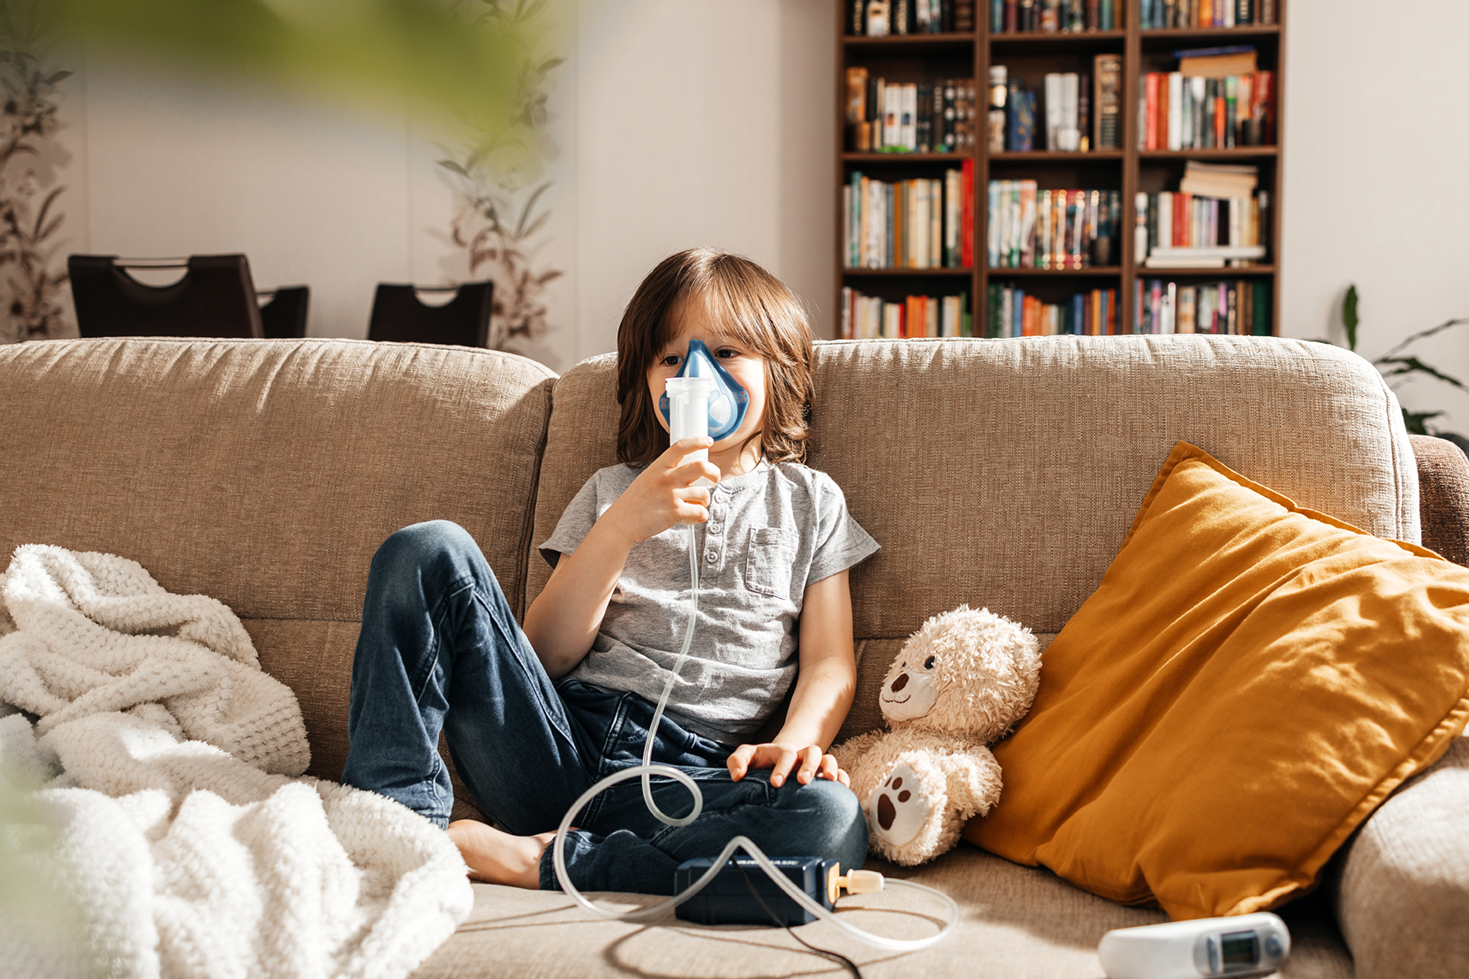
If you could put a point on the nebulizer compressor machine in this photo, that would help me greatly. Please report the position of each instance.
(704, 399)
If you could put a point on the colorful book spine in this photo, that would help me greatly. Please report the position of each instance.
(1180, 112)
(1030, 227)
(1053, 16)
(1164, 14)
(867, 317)
(1010, 313)
(1239, 307)
(921, 223)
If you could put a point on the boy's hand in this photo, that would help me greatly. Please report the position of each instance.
(781, 758)
(664, 493)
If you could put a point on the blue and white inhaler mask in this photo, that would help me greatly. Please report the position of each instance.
(702, 398)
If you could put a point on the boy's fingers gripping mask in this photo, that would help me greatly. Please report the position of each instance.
(728, 399)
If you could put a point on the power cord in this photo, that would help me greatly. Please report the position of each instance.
(834, 956)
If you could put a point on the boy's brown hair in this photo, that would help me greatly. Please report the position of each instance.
(755, 307)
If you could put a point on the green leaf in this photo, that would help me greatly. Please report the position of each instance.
(1349, 316)
(1414, 420)
(59, 76)
(1401, 366)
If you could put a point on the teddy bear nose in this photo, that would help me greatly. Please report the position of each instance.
(900, 682)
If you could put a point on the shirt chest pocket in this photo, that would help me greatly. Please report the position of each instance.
(772, 552)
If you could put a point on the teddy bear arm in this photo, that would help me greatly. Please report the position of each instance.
(973, 780)
(849, 751)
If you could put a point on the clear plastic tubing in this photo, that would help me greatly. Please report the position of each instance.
(689, 415)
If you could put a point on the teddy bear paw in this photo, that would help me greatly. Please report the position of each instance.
(899, 808)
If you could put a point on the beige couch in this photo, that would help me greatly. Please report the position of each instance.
(997, 473)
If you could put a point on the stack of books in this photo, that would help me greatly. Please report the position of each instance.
(909, 117)
(916, 224)
(1054, 16)
(1241, 307)
(1217, 99)
(1163, 14)
(1217, 217)
(1011, 313)
(871, 317)
(1051, 229)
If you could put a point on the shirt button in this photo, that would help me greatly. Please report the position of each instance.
(711, 556)
(715, 528)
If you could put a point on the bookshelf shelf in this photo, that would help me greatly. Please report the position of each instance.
(1074, 42)
(1056, 156)
(1111, 271)
(1196, 33)
(850, 157)
(1125, 174)
(1225, 273)
(1237, 153)
(909, 40)
(906, 272)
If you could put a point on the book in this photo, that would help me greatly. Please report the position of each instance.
(1053, 110)
(1151, 83)
(1069, 133)
(1020, 135)
(1220, 252)
(1107, 119)
(1225, 180)
(877, 18)
(908, 116)
(1014, 313)
(966, 215)
(1226, 62)
(1033, 227)
(865, 317)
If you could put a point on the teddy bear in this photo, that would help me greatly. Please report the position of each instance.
(960, 683)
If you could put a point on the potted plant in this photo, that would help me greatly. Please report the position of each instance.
(1396, 365)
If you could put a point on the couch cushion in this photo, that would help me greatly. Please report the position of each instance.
(1402, 894)
(1247, 684)
(266, 473)
(1004, 473)
(1017, 921)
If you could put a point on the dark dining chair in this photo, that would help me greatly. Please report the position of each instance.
(283, 314)
(398, 314)
(215, 298)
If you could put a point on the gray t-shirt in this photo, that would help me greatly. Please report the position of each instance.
(771, 532)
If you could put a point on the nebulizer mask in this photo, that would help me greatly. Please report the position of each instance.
(704, 399)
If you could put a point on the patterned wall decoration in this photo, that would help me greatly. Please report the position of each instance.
(32, 265)
(500, 194)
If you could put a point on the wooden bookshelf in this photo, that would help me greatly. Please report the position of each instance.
(929, 58)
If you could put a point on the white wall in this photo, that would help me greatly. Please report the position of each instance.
(703, 124)
(682, 123)
(1377, 139)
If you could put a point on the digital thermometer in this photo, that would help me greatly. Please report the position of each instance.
(1243, 945)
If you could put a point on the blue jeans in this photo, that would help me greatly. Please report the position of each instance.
(440, 650)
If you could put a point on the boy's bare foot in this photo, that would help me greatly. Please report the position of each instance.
(495, 856)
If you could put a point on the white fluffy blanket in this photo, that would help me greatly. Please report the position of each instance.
(172, 842)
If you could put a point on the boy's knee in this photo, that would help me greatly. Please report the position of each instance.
(421, 545)
(434, 549)
(835, 823)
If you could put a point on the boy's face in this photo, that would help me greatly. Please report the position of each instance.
(744, 364)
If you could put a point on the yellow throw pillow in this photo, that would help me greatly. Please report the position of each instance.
(1249, 681)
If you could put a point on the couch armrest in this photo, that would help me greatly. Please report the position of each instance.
(1402, 890)
(1443, 496)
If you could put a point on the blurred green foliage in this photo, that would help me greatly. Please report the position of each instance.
(467, 61)
(1396, 365)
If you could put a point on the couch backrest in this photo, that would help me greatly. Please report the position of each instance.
(1006, 473)
(266, 474)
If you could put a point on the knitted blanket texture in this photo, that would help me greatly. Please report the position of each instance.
(152, 823)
